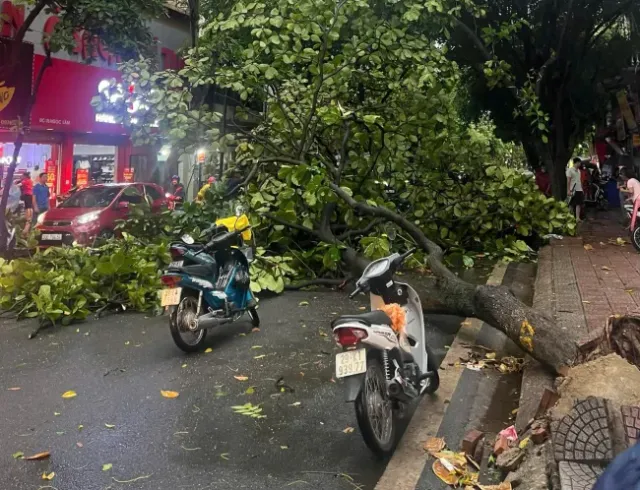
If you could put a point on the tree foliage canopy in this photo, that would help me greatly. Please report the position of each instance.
(540, 67)
(346, 98)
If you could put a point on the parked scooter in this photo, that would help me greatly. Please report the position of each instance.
(384, 369)
(209, 285)
(597, 196)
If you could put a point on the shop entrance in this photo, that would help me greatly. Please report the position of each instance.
(93, 164)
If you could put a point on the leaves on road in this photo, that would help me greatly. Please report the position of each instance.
(588, 247)
(79, 444)
(169, 394)
(208, 350)
(295, 404)
(110, 426)
(241, 378)
(605, 268)
(260, 356)
(69, 394)
(256, 347)
(38, 456)
(107, 467)
(250, 391)
(250, 410)
(225, 456)
(80, 427)
(184, 366)
(434, 445)
(255, 330)
(18, 455)
(48, 476)
(15, 388)
(348, 430)
(303, 303)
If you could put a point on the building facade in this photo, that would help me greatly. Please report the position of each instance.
(66, 138)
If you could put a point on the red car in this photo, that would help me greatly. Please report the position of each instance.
(93, 212)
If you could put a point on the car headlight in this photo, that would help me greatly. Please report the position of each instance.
(41, 218)
(88, 218)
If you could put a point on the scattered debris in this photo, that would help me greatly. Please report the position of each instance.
(595, 376)
(471, 441)
(169, 394)
(48, 476)
(208, 350)
(39, 456)
(434, 445)
(588, 247)
(540, 432)
(18, 455)
(548, 400)
(69, 394)
(511, 459)
(501, 445)
(282, 387)
(107, 466)
(250, 410)
(241, 378)
(348, 430)
(15, 388)
(110, 426)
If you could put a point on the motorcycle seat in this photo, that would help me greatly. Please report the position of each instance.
(198, 270)
(376, 317)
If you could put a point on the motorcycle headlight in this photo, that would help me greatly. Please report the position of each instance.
(41, 218)
(88, 218)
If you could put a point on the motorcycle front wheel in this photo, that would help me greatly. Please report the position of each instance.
(179, 320)
(635, 238)
(374, 411)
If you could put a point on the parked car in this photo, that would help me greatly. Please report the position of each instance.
(92, 213)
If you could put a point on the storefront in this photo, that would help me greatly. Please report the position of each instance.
(66, 138)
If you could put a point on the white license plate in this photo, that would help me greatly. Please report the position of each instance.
(177, 263)
(170, 297)
(52, 236)
(351, 363)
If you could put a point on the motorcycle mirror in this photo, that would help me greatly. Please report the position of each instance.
(188, 239)
(239, 210)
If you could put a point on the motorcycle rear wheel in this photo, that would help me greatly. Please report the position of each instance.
(184, 338)
(374, 411)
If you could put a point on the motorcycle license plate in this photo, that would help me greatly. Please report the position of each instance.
(177, 263)
(351, 363)
(170, 297)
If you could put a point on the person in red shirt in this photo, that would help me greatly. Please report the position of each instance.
(543, 181)
(26, 195)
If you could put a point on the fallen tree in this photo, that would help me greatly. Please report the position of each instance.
(360, 138)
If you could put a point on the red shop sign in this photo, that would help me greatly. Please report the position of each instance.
(15, 82)
(64, 98)
(82, 177)
(128, 174)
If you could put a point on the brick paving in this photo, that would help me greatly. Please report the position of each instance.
(584, 280)
(591, 284)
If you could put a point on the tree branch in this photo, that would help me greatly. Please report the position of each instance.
(363, 231)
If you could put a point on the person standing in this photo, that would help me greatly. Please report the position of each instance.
(26, 195)
(575, 191)
(41, 196)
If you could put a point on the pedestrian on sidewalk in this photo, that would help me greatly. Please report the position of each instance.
(575, 192)
(26, 195)
(41, 196)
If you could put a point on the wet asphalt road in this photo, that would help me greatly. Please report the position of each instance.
(118, 365)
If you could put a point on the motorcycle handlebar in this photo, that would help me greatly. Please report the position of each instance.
(355, 292)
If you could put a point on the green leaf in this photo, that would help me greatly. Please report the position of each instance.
(107, 466)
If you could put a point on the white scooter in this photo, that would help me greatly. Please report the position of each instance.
(384, 371)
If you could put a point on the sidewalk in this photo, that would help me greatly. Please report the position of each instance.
(583, 281)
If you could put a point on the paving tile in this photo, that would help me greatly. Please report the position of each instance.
(631, 423)
(578, 476)
(586, 423)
